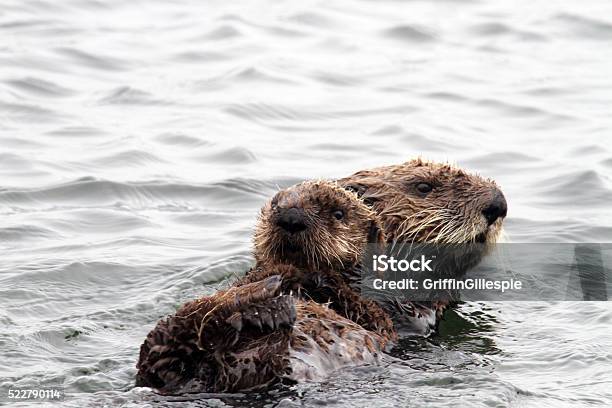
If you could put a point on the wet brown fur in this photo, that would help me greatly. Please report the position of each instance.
(239, 339)
(328, 242)
(177, 356)
(450, 214)
(219, 342)
(327, 253)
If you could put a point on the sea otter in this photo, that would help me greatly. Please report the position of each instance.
(423, 201)
(258, 332)
(324, 230)
(417, 201)
(432, 203)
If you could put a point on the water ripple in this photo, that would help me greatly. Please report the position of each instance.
(410, 34)
(593, 28)
(90, 191)
(40, 87)
(126, 95)
(89, 60)
(137, 144)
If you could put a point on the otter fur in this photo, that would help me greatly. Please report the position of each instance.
(249, 337)
(307, 254)
(325, 231)
(269, 326)
(426, 202)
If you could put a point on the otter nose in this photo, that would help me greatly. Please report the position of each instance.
(291, 220)
(497, 208)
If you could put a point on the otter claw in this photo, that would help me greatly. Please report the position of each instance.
(272, 283)
(267, 319)
(258, 324)
(235, 321)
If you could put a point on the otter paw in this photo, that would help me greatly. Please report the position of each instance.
(269, 314)
(238, 297)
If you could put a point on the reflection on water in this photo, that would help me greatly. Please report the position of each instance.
(592, 272)
(139, 139)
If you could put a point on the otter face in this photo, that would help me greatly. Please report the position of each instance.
(421, 201)
(314, 224)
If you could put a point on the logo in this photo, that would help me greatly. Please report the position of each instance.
(384, 263)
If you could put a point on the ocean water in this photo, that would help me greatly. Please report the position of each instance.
(138, 140)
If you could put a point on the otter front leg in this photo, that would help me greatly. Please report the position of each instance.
(292, 278)
(181, 352)
(248, 333)
(268, 314)
(259, 305)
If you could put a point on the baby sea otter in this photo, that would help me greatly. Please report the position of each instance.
(432, 203)
(323, 230)
(262, 330)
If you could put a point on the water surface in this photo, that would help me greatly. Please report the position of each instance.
(138, 140)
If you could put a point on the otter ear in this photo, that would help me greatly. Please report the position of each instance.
(376, 234)
(362, 192)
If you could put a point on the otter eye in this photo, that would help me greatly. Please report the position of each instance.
(338, 214)
(424, 188)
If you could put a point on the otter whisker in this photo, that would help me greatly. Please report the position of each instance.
(416, 230)
(443, 234)
(443, 225)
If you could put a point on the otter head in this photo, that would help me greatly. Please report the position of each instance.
(427, 202)
(315, 224)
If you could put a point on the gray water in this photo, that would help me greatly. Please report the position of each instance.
(139, 138)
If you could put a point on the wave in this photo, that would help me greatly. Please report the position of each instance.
(89, 191)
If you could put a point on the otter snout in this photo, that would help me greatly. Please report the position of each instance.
(292, 220)
(497, 208)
